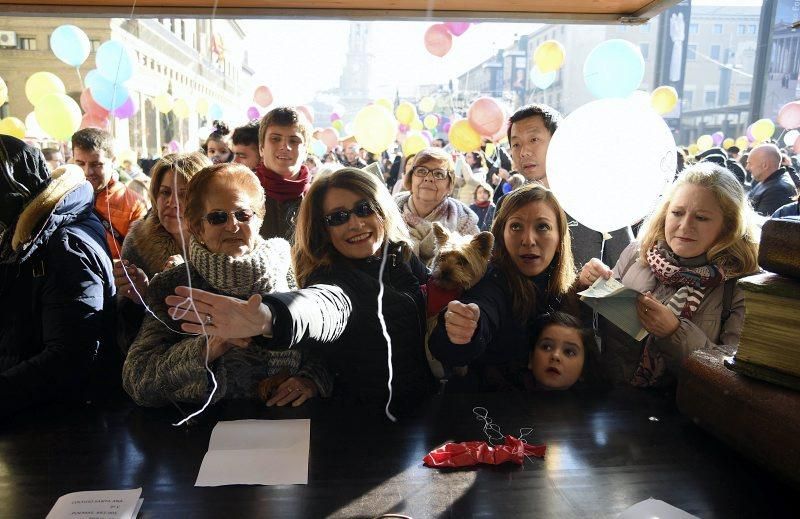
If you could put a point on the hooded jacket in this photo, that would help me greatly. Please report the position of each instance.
(56, 284)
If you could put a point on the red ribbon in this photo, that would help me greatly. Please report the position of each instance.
(467, 454)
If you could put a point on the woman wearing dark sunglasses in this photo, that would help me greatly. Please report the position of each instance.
(346, 223)
(227, 256)
(430, 183)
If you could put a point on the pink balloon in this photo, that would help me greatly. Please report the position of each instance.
(438, 39)
(446, 128)
(402, 128)
(252, 113)
(174, 146)
(497, 137)
(796, 147)
(262, 97)
(90, 120)
(486, 116)
(307, 111)
(457, 28)
(717, 138)
(750, 134)
(90, 106)
(789, 116)
(329, 137)
(126, 110)
(427, 135)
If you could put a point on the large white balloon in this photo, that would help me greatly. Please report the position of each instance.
(609, 161)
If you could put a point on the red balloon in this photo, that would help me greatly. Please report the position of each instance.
(330, 137)
(789, 115)
(262, 96)
(90, 106)
(91, 120)
(438, 39)
(486, 116)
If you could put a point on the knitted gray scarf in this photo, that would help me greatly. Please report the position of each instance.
(243, 276)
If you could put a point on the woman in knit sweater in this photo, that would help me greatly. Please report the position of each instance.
(224, 208)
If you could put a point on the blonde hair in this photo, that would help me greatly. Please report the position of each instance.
(429, 154)
(312, 247)
(232, 174)
(184, 165)
(563, 273)
(736, 250)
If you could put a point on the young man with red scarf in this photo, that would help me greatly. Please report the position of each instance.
(282, 139)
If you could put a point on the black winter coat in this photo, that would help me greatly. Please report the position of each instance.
(337, 313)
(57, 296)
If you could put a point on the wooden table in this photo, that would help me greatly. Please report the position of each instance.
(605, 452)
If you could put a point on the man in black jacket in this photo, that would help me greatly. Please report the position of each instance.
(56, 283)
(775, 187)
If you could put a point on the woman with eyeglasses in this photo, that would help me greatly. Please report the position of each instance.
(348, 225)
(430, 183)
(226, 256)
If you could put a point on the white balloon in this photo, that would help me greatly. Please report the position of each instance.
(788, 139)
(33, 127)
(609, 161)
(542, 80)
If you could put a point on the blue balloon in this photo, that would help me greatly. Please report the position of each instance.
(506, 188)
(615, 68)
(107, 94)
(542, 80)
(70, 44)
(115, 62)
(318, 148)
(215, 112)
(92, 77)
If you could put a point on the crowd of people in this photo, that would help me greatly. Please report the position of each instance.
(252, 264)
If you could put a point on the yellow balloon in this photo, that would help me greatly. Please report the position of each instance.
(490, 147)
(41, 84)
(164, 103)
(705, 142)
(338, 124)
(430, 122)
(663, 99)
(549, 56)
(727, 143)
(59, 115)
(427, 104)
(128, 155)
(463, 137)
(742, 143)
(384, 103)
(414, 143)
(202, 106)
(416, 124)
(374, 127)
(763, 129)
(693, 149)
(405, 113)
(13, 127)
(3, 92)
(181, 109)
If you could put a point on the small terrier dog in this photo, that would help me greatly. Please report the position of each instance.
(460, 262)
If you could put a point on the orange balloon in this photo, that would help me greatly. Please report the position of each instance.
(438, 39)
(486, 116)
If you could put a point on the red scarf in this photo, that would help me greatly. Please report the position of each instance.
(483, 205)
(281, 188)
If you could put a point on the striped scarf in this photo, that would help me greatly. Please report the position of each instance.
(693, 284)
(243, 276)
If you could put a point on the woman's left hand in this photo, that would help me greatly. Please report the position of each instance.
(655, 317)
(295, 390)
(220, 315)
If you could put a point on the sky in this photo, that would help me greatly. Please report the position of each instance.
(297, 58)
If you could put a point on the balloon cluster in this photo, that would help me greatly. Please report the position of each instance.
(547, 59)
(439, 36)
(486, 118)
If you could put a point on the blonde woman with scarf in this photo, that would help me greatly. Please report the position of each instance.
(699, 239)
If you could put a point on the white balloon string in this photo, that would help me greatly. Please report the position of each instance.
(384, 330)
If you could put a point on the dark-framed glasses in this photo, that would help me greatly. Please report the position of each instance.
(362, 209)
(438, 173)
(221, 217)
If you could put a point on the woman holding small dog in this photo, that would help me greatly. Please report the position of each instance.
(699, 239)
(348, 226)
(430, 183)
(490, 329)
(224, 211)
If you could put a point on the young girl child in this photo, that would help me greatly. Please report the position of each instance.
(483, 206)
(218, 144)
(565, 353)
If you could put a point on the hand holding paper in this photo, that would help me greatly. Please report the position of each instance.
(617, 303)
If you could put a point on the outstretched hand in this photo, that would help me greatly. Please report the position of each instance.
(461, 321)
(219, 315)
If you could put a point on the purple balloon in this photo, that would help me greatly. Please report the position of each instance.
(252, 113)
(446, 128)
(750, 134)
(335, 117)
(457, 28)
(427, 135)
(717, 138)
(174, 146)
(127, 109)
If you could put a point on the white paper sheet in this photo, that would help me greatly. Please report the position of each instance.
(256, 452)
(617, 303)
(100, 504)
(653, 508)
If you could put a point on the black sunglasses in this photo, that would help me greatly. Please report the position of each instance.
(221, 217)
(362, 209)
